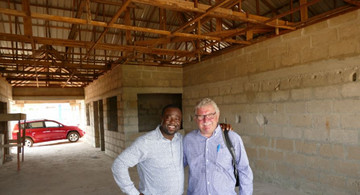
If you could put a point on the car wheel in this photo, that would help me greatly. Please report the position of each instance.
(28, 142)
(73, 136)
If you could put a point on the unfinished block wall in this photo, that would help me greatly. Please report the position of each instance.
(125, 82)
(5, 90)
(295, 100)
(5, 97)
(142, 80)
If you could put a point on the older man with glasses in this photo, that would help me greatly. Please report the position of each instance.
(210, 162)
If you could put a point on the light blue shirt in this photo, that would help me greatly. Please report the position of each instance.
(159, 162)
(210, 164)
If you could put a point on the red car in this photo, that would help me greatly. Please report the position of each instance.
(47, 130)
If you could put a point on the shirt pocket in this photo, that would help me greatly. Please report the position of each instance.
(224, 159)
(224, 169)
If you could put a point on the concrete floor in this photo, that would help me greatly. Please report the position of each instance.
(75, 168)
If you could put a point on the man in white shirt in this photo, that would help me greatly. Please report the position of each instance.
(159, 158)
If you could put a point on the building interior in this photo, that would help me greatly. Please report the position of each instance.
(284, 73)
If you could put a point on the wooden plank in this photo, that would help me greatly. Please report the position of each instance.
(200, 16)
(113, 20)
(27, 19)
(219, 12)
(303, 11)
(10, 145)
(353, 2)
(51, 64)
(12, 117)
(126, 27)
(12, 141)
(87, 44)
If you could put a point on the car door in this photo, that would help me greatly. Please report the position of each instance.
(37, 131)
(56, 129)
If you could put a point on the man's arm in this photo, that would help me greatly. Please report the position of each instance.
(244, 170)
(120, 168)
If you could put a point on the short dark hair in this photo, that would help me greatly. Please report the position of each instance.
(169, 106)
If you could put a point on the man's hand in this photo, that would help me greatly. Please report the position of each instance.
(225, 126)
(141, 194)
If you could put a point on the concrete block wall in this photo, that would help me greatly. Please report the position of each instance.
(142, 80)
(108, 85)
(125, 82)
(5, 90)
(295, 100)
(5, 96)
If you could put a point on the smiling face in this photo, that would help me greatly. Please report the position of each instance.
(170, 122)
(207, 119)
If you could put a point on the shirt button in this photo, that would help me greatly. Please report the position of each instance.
(208, 183)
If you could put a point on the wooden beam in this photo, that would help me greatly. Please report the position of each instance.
(273, 19)
(118, 26)
(87, 44)
(127, 22)
(28, 26)
(200, 16)
(12, 117)
(27, 18)
(249, 35)
(188, 6)
(74, 27)
(60, 79)
(231, 32)
(48, 73)
(303, 11)
(112, 21)
(52, 64)
(218, 23)
(353, 2)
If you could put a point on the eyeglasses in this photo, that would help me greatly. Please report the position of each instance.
(207, 116)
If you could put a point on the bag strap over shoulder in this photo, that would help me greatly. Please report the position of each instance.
(229, 145)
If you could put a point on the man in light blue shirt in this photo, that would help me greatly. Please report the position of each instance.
(210, 162)
(159, 158)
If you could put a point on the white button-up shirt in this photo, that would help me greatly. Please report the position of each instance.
(159, 163)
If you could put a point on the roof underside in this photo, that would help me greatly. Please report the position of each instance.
(70, 43)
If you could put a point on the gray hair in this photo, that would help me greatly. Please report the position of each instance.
(205, 102)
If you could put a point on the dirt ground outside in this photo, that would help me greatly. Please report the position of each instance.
(60, 167)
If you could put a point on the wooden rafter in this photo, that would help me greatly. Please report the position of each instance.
(353, 2)
(54, 64)
(112, 21)
(217, 13)
(86, 44)
(303, 11)
(70, 43)
(120, 26)
(199, 17)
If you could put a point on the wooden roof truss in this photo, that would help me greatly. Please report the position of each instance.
(71, 43)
